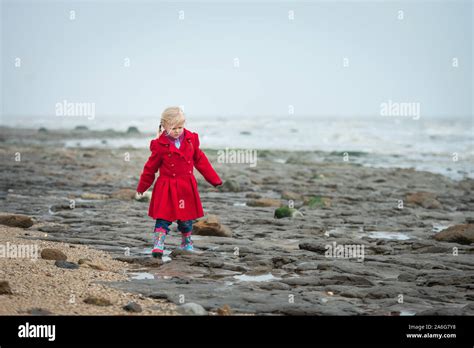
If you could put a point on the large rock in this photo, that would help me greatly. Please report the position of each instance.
(425, 199)
(53, 254)
(462, 234)
(16, 220)
(210, 226)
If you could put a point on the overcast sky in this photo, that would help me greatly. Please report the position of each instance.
(247, 58)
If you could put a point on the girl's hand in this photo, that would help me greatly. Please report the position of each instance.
(139, 194)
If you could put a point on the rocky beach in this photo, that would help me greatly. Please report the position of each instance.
(299, 233)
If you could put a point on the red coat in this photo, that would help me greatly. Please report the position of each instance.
(175, 195)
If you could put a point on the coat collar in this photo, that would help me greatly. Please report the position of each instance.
(163, 140)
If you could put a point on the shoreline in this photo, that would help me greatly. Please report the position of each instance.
(135, 140)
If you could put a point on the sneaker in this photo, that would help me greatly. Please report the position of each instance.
(186, 242)
(158, 242)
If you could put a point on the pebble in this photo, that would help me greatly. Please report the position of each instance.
(133, 307)
(53, 254)
(191, 309)
(66, 264)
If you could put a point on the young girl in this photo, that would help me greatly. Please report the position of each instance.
(175, 195)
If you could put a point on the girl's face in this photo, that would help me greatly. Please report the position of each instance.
(176, 130)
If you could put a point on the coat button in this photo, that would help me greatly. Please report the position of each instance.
(190, 172)
(169, 155)
(189, 161)
(172, 164)
(174, 174)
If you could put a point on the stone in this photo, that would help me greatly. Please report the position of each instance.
(66, 264)
(53, 254)
(210, 226)
(97, 301)
(283, 212)
(5, 288)
(16, 220)
(425, 199)
(462, 234)
(84, 261)
(133, 307)
(264, 202)
(191, 309)
(224, 310)
(123, 194)
(81, 128)
(317, 248)
(94, 196)
(133, 130)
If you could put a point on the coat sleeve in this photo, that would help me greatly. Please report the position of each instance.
(152, 165)
(202, 164)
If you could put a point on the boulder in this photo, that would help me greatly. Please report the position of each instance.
(462, 234)
(210, 226)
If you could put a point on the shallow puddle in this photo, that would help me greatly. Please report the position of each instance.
(256, 278)
(240, 204)
(389, 235)
(141, 275)
(439, 227)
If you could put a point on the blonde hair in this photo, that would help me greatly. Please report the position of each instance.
(169, 118)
